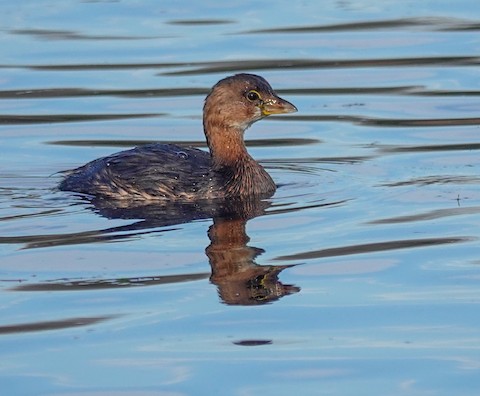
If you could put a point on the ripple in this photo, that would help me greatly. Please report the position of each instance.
(76, 238)
(61, 118)
(430, 215)
(50, 34)
(429, 180)
(196, 143)
(273, 64)
(287, 207)
(54, 324)
(370, 121)
(435, 24)
(393, 149)
(93, 284)
(201, 22)
(373, 247)
(253, 342)
(41, 213)
(199, 68)
(49, 93)
(313, 160)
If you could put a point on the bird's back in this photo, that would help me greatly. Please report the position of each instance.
(150, 172)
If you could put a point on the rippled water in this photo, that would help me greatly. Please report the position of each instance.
(360, 276)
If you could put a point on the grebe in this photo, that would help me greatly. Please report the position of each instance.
(171, 172)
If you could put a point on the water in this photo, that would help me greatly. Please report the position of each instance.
(360, 276)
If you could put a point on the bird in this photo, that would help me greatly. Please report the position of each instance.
(159, 172)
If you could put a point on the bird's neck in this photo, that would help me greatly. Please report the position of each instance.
(226, 145)
(241, 174)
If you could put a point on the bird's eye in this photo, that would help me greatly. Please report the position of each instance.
(253, 95)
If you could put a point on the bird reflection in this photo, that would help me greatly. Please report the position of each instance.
(240, 281)
(238, 278)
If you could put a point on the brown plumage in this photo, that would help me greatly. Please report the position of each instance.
(171, 172)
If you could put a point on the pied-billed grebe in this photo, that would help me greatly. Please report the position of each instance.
(172, 172)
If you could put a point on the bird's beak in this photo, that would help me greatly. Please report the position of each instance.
(277, 105)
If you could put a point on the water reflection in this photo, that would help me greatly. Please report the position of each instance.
(210, 67)
(19, 119)
(47, 93)
(389, 277)
(53, 324)
(239, 279)
(374, 247)
(49, 34)
(430, 23)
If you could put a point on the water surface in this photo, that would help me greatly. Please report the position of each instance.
(360, 276)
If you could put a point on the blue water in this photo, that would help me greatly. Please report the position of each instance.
(364, 265)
